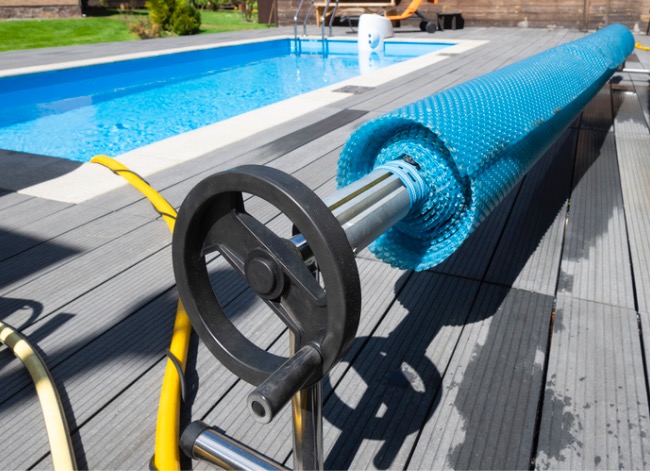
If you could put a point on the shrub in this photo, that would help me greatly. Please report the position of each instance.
(144, 28)
(161, 11)
(177, 16)
(186, 19)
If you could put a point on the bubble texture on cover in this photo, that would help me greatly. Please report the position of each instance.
(476, 140)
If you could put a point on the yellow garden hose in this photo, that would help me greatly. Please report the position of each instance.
(55, 423)
(643, 48)
(167, 451)
(159, 203)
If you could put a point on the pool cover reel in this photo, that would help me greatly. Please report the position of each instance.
(475, 141)
(433, 171)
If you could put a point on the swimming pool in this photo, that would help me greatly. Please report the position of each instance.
(116, 107)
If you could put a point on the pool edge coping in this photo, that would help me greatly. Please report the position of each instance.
(175, 50)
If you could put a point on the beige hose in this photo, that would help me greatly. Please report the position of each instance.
(57, 427)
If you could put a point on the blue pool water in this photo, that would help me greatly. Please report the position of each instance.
(117, 107)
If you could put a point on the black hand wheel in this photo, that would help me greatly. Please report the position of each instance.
(213, 218)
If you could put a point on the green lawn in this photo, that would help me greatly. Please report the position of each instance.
(107, 26)
(223, 21)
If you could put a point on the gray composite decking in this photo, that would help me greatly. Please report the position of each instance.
(526, 349)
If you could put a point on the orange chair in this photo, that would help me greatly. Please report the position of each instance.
(425, 24)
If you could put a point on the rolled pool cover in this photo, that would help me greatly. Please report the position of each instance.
(473, 142)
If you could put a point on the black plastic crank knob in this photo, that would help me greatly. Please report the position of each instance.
(213, 218)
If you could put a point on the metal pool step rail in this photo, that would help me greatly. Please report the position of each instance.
(306, 19)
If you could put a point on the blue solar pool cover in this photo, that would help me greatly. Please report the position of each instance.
(476, 140)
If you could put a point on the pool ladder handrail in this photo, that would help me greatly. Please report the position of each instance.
(322, 20)
(304, 24)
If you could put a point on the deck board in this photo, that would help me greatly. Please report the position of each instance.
(598, 113)
(528, 254)
(633, 149)
(595, 412)
(58, 287)
(14, 241)
(640, 81)
(629, 114)
(595, 263)
(455, 357)
(30, 210)
(48, 256)
(375, 414)
(485, 411)
(10, 199)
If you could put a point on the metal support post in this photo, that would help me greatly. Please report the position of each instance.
(307, 409)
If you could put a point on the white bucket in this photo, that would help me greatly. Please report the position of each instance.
(373, 29)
